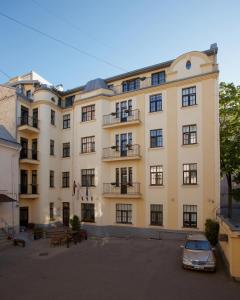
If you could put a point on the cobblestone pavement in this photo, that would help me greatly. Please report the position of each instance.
(108, 268)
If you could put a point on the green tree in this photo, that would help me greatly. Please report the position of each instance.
(230, 135)
(75, 223)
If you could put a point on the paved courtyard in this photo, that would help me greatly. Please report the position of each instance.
(108, 268)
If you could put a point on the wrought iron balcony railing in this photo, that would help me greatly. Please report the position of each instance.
(29, 154)
(127, 151)
(28, 189)
(121, 117)
(27, 120)
(121, 188)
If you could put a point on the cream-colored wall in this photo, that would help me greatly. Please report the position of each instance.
(8, 109)
(9, 183)
(172, 195)
(230, 247)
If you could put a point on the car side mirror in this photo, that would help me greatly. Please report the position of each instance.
(182, 246)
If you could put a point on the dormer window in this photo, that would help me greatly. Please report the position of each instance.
(158, 78)
(131, 85)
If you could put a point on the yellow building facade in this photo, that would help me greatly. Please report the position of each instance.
(140, 149)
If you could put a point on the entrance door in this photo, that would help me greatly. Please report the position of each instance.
(123, 180)
(66, 213)
(24, 115)
(34, 149)
(24, 150)
(24, 181)
(123, 109)
(123, 144)
(24, 216)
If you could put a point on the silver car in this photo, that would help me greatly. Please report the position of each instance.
(198, 254)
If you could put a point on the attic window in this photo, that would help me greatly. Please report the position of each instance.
(188, 65)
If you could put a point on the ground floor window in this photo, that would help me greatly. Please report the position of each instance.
(51, 211)
(190, 216)
(156, 214)
(88, 212)
(124, 213)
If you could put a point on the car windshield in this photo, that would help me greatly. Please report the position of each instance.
(198, 245)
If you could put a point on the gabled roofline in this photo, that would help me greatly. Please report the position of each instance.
(209, 52)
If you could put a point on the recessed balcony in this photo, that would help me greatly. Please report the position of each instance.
(29, 156)
(28, 191)
(123, 118)
(126, 152)
(122, 190)
(28, 124)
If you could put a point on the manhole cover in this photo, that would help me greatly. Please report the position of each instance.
(43, 254)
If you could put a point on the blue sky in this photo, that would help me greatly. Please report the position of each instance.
(128, 33)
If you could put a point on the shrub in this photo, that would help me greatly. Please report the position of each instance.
(75, 223)
(211, 231)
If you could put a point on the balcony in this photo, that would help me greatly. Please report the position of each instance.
(126, 117)
(143, 82)
(29, 156)
(28, 124)
(28, 191)
(114, 190)
(116, 153)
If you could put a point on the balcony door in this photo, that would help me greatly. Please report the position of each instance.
(34, 149)
(24, 150)
(35, 117)
(123, 144)
(24, 181)
(24, 115)
(123, 111)
(34, 182)
(124, 182)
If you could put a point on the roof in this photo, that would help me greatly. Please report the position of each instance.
(5, 198)
(95, 84)
(212, 51)
(6, 137)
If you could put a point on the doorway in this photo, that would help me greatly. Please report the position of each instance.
(24, 216)
(66, 213)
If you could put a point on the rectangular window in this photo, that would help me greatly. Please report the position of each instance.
(51, 179)
(131, 85)
(51, 147)
(69, 101)
(88, 212)
(156, 138)
(65, 179)
(66, 121)
(190, 174)
(88, 113)
(158, 78)
(52, 117)
(190, 216)
(124, 213)
(189, 96)
(66, 150)
(88, 177)
(88, 144)
(156, 175)
(189, 134)
(156, 214)
(155, 103)
(29, 94)
(51, 211)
